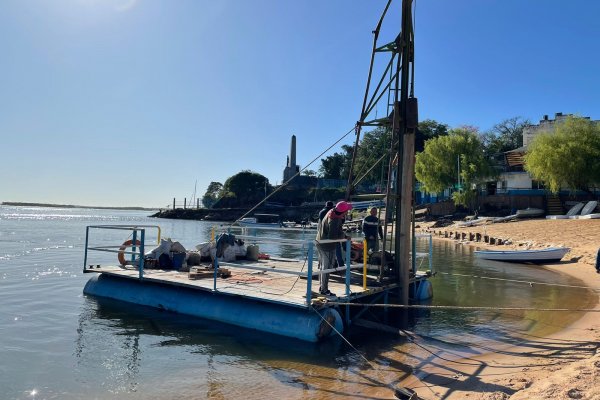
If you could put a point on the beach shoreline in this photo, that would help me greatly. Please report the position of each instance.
(561, 365)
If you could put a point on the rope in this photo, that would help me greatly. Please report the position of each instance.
(476, 308)
(375, 367)
(531, 283)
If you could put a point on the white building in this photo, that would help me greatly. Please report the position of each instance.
(515, 178)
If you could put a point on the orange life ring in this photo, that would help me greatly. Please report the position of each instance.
(125, 245)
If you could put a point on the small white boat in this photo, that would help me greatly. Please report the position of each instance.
(530, 213)
(551, 254)
(590, 216)
(261, 221)
(474, 222)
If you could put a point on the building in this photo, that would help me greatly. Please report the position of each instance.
(514, 179)
(546, 125)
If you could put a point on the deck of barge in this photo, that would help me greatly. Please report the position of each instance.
(276, 280)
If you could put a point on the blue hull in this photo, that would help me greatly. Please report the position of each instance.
(280, 319)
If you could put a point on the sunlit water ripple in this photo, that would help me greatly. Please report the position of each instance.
(59, 344)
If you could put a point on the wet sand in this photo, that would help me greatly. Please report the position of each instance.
(562, 365)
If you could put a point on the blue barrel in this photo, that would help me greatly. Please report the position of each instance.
(300, 323)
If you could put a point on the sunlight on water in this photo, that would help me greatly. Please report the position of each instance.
(59, 344)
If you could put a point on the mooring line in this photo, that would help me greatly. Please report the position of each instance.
(477, 308)
(531, 283)
(373, 366)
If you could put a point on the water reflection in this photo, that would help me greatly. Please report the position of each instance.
(128, 348)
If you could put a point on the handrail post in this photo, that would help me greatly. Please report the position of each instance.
(133, 244)
(347, 280)
(87, 236)
(431, 253)
(365, 254)
(309, 275)
(141, 262)
(216, 266)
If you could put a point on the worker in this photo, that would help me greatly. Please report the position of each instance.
(372, 230)
(331, 228)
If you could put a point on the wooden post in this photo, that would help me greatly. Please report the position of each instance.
(173, 203)
(184, 203)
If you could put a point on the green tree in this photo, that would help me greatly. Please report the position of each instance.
(373, 146)
(337, 165)
(504, 136)
(213, 192)
(568, 157)
(428, 129)
(309, 172)
(243, 189)
(437, 167)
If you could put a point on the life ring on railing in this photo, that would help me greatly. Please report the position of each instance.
(124, 246)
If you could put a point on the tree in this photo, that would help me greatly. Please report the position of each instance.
(504, 136)
(428, 129)
(337, 165)
(373, 146)
(213, 192)
(243, 189)
(309, 172)
(568, 157)
(437, 167)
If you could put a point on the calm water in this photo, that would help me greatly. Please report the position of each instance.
(58, 344)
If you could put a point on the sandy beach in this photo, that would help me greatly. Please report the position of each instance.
(563, 365)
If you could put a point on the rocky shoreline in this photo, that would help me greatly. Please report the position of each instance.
(290, 213)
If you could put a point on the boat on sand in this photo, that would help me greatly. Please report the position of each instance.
(548, 255)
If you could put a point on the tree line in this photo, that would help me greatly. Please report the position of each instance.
(460, 158)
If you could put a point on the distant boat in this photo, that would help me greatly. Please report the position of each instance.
(530, 213)
(552, 254)
(261, 221)
(474, 222)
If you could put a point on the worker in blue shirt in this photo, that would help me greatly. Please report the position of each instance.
(372, 230)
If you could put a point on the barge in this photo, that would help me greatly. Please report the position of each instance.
(273, 295)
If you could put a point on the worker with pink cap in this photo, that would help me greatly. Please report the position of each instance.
(330, 228)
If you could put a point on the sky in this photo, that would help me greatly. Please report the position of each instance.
(137, 102)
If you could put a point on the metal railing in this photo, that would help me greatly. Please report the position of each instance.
(137, 246)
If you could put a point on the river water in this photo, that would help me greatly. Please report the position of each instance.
(56, 343)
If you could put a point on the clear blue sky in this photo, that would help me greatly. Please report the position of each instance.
(130, 102)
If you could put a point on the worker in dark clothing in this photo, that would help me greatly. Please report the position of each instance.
(372, 230)
(598, 262)
(323, 212)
